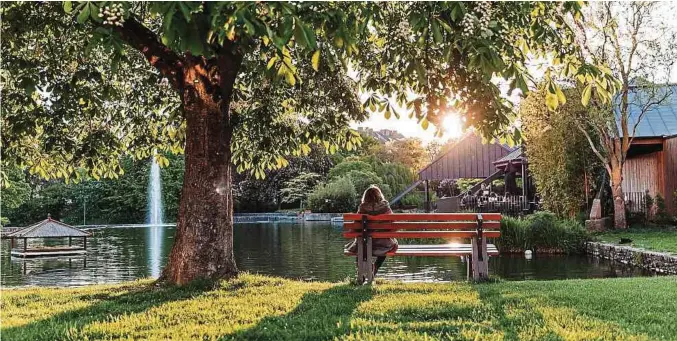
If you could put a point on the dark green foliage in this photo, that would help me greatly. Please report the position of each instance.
(107, 201)
(337, 196)
(348, 165)
(542, 232)
(297, 189)
(560, 158)
(15, 191)
(464, 184)
(362, 180)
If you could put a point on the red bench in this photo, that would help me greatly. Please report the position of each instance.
(474, 226)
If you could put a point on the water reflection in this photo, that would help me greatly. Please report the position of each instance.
(311, 251)
(155, 239)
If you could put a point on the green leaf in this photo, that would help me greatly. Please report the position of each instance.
(304, 35)
(84, 14)
(424, 124)
(68, 6)
(437, 35)
(185, 10)
(316, 60)
(585, 97)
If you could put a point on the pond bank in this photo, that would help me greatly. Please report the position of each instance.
(267, 308)
(655, 261)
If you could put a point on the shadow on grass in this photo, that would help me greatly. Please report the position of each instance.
(511, 313)
(321, 315)
(108, 306)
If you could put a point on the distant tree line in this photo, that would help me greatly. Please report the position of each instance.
(319, 181)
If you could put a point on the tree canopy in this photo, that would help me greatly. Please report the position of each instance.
(78, 94)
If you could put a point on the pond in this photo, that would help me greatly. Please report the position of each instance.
(308, 251)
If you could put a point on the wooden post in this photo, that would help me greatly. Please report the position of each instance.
(84, 242)
(70, 241)
(25, 244)
(11, 242)
(427, 197)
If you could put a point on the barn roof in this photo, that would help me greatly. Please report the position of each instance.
(49, 228)
(661, 120)
(467, 158)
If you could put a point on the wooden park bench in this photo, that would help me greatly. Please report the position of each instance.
(474, 226)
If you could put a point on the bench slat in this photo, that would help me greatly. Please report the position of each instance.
(422, 225)
(443, 250)
(424, 217)
(425, 234)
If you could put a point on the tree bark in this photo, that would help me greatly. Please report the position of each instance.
(203, 245)
(616, 177)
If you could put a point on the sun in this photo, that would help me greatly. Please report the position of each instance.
(453, 127)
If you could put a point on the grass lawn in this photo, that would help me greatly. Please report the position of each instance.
(263, 308)
(663, 240)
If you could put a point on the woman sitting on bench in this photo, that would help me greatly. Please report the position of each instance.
(373, 203)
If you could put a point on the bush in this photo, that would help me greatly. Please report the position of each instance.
(661, 216)
(542, 232)
(346, 167)
(338, 196)
(363, 179)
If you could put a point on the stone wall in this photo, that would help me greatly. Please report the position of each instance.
(321, 216)
(654, 261)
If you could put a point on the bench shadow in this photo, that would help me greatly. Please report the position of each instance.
(110, 305)
(321, 315)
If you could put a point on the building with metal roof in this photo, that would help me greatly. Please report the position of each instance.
(651, 163)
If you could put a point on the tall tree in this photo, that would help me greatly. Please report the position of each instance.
(637, 41)
(249, 82)
(560, 160)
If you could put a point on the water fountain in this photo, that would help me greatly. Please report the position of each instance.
(154, 220)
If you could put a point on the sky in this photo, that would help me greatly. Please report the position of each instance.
(409, 127)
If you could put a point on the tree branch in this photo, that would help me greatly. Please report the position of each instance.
(592, 145)
(158, 55)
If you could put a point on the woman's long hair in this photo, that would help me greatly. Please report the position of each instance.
(372, 195)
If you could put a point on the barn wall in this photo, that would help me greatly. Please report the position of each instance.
(670, 164)
(469, 158)
(641, 173)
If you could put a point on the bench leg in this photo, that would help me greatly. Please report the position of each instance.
(480, 269)
(468, 263)
(370, 261)
(361, 264)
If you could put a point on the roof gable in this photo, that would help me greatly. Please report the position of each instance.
(49, 228)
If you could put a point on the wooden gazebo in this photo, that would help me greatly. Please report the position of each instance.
(48, 229)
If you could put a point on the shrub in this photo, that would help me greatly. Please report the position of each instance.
(363, 179)
(346, 167)
(542, 232)
(464, 184)
(338, 196)
(661, 215)
(413, 199)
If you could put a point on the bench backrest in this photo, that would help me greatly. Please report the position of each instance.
(428, 225)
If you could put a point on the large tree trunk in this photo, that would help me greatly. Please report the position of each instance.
(203, 245)
(617, 193)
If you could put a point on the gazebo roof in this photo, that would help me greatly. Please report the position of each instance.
(516, 156)
(49, 228)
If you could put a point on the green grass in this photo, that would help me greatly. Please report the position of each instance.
(662, 240)
(263, 308)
